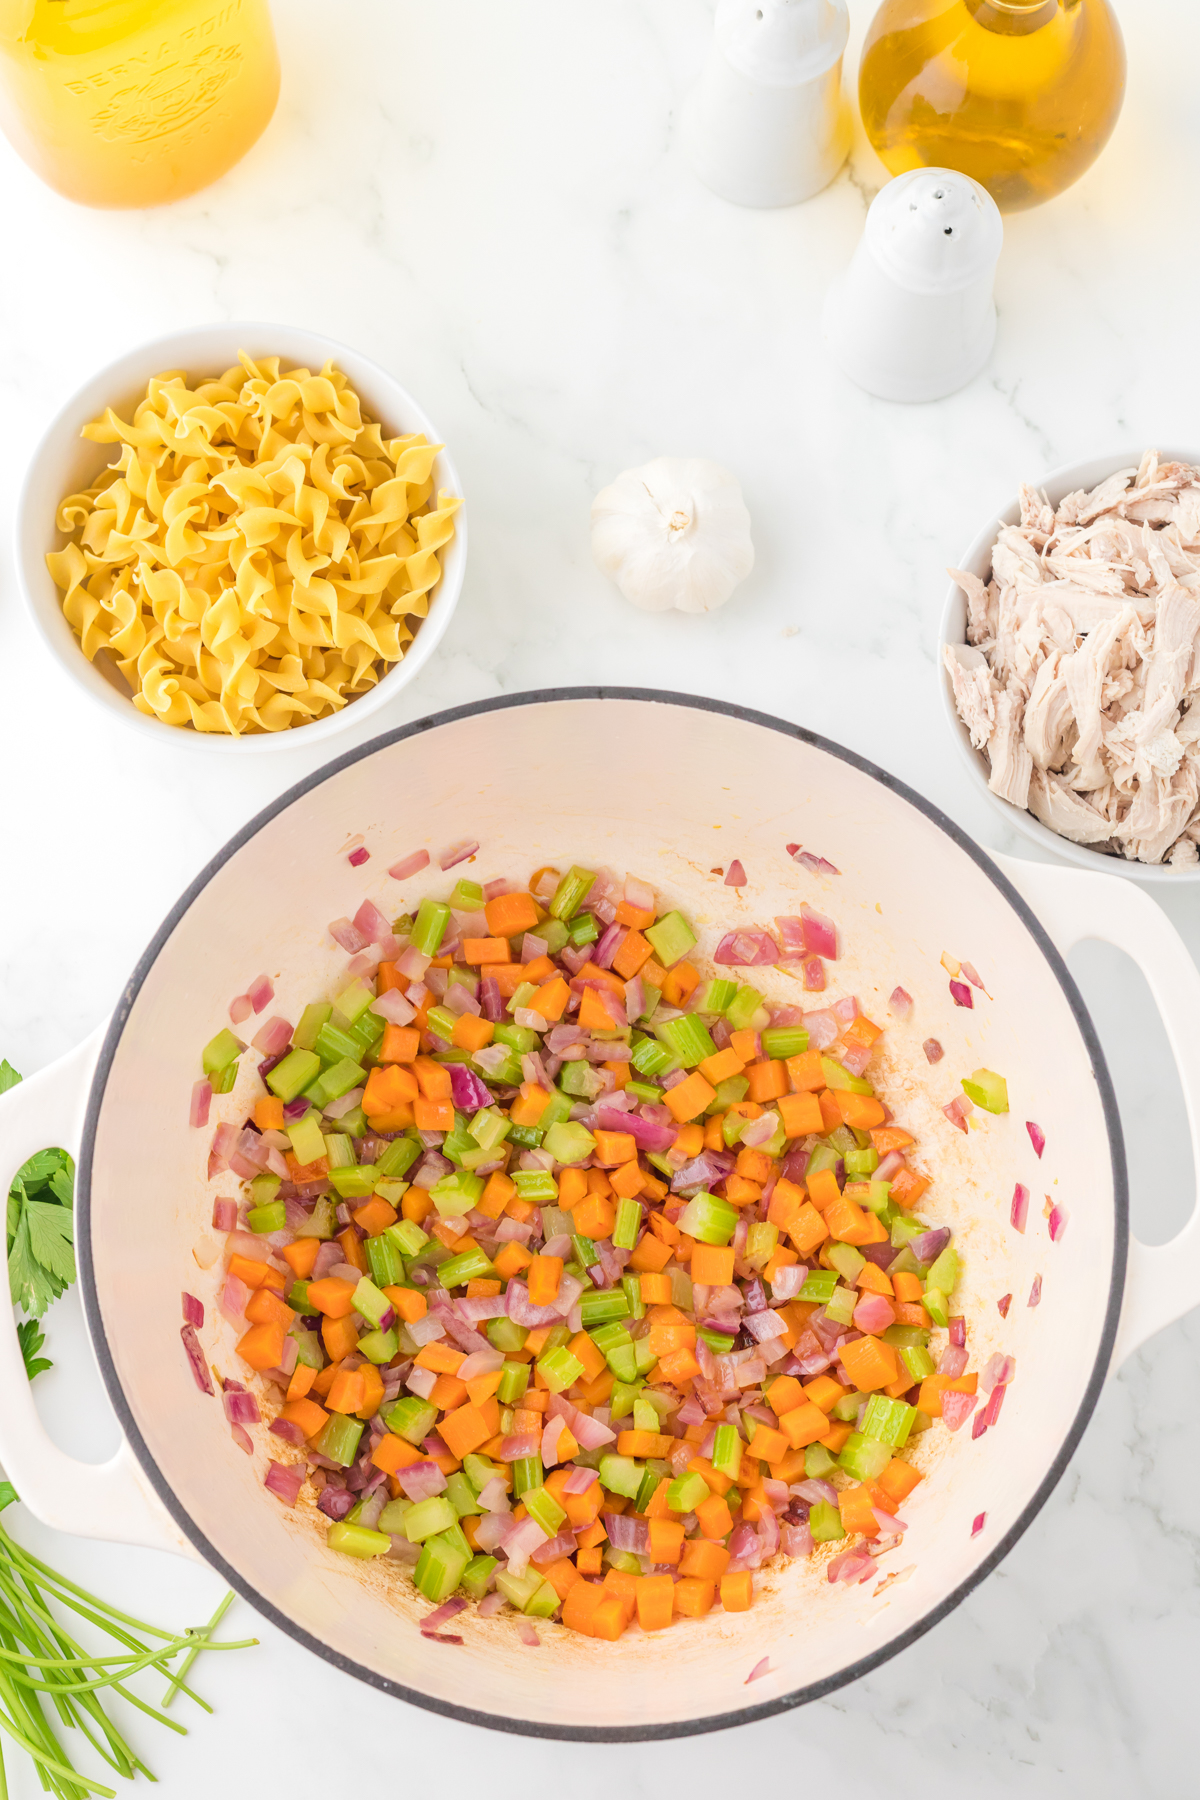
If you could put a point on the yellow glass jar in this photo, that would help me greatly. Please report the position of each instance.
(135, 102)
(1021, 94)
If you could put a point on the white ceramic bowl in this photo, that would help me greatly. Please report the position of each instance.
(726, 783)
(64, 462)
(977, 560)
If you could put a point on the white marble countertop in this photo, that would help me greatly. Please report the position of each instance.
(491, 201)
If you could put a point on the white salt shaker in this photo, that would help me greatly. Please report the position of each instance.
(766, 124)
(913, 316)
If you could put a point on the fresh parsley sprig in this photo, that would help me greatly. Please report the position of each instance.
(41, 1226)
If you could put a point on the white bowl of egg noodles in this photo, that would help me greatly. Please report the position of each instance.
(264, 563)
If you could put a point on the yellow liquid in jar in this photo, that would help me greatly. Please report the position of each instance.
(1020, 94)
(135, 102)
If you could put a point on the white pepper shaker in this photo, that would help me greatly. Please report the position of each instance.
(913, 317)
(766, 124)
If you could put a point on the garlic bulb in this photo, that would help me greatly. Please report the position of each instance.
(674, 533)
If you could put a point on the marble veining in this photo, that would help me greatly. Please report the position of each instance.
(492, 201)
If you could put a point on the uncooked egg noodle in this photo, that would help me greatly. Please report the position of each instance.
(253, 558)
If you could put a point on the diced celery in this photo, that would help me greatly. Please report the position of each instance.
(888, 1420)
(559, 1370)
(461, 1495)
(861, 1163)
(469, 1265)
(411, 1418)
(602, 1305)
(340, 1078)
(334, 1045)
(308, 1144)
(726, 1094)
(823, 1156)
(627, 1225)
(320, 1221)
(841, 1304)
(391, 1519)
(456, 1194)
(467, 896)
(311, 1020)
(407, 1236)
(846, 1260)
(537, 1185)
(825, 1523)
(818, 1464)
(716, 996)
(490, 1127)
(846, 1409)
(339, 1151)
(744, 1008)
(503, 1335)
(904, 1229)
(399, 1156)
(644, 1092)
(355, 1183)
(761, 1240)
(671, 937)
(368, 1302)
(623, 1561)
(708, 1219)
(427, 1518)
(632, 1285)
(644, 1358)
(917, 1361)
(937, 1306)
(687, 1493)
(688, 1039)
(297, 1297)
(900, 1335)
(442, 1022)
(440, 1566)
(518, 1590)
(864, 1458)
(479, 1471)
(819, 1285)
(308, 1347)
(219, 1052)
(651, 1058)
(519, 1039)
(727, 1451)
(580, 1081)
(477, 1576)
(458, 1139)
(527, 1472)
(543, 1507)
(263, 1189)
(571, 891)
(543, 1603)
(645, 1416)
(339, 1438)
(294, 1073)
(582, 929)
(837, 1077)
(384, 1261)
(514, 1380)
(265, 1219)
(719, 1342)
(943, 1274)
(621, 1475)
(378, 1346)
(622, 1400)
(526, 1137)
(357, 1540)
(987, 1089)
(354, 1000)
(780, 1041)
(429, 926)
(876, 1199)
(570, 1143)
(681, 1288)
(557, 1109)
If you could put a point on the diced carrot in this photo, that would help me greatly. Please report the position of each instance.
(704, 1559)
(510, 914)
(808, 1229)
(634, 916)
(655, 1287)
(375, 1216)
(722, 1066)
(340, 1337)
(859, 1111)
(768, 1080)
(613, 1147)
(714, 1136)
(634, 954)
(690, 1097)
(768, 1444)
(712, 1265)
(861, 1031)
(511, 1260)
(858, 1514)
(262, 1346)
(529, 1104)
(303, 1376)
(464, 1430)
(594, 1217)
(588, 1562)
(268, 1113)
(410, 1303)
(543, 1276)
(754, 1165)
(899, 1479)
(388, 1086)
(886, 1138)
(929, 1400)
(433, 1115)
(392, 1453)
(801, 1113)
(433, 1079)
(835, 1438)
(737, 1591)
(399, 1044)
(311, 1418)
(845, 1221)
(666, 1540)
(331, 1296)
(300, 1256)
(389, 979)
(907, 1187)
(551, 999)
(911, 1312)
(650, 1256)
(655, 1601)
(805, 1072)
(352, 1249)
(872, 1279)
(583, 1602)
(689, 1140)
(804, 1425)
(609, 1620)
(264, 1307)
(484, 951)
(247, 1270)
(440, 1359)
(870, 1363)
(275, 1279)
(471, 1033)
(714, 1516)
(784, 1394)
(823, 1391)
(678, 1367)
(908, 1287)
(627, 1180)
(662, 1227)
(822, 1188)
(786, 1200)
(680, 983)
(347, 1392)
(694, 1598)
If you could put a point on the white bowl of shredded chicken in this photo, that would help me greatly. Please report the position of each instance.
(1071, 663)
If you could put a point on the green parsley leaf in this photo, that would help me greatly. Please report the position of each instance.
(8, 1076)
(51, 1239)
(31, 1340)
(40, 1226)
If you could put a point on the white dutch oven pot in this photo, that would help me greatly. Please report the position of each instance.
(673, 789)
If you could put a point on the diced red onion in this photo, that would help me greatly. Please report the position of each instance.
(1037, 1137)
(421, 1480)
(813, 972)
(890, 1166)
(851, 1566)
(241, 1438)
(960, 993)
(241, 1408)
(589, 1432)
(627, 1533)
(956, 1407)
(768, 1533)
(409, 865)
(958, 1111)
(527, 1632)
(813, 1491)
(1057, 1222)
(888, 1523)
(449, 859)
(997, 1370)
(521, 1542)
(933, 1050)
(819, 934)
(855, 1057)
(845, 1010)
(235, 1296)
(953, 1362)
(1003, 1304)
(795, 1540)
(371, 924)
(979, 1522)
(358, 856)
(928, 1246)
(274, 1037)
(288, 1430)
(788, 1281)
(751, 949)
(346, 933)
(426, 1330)
(490, 1605)
(958, 1330)
(421, 1382)
(760, 1131)
(609, 944)
(736, 876)
(365, 963)
(193, 1311)
(240, 1008)
(874, 1313)
(578, 1481)
(816, 865)
(901, 1001)
(1019, 1211)
(224, 1215)
(493, 1496)
(492, 1530)
(969, 971)
(285, 1480)
(201, 1101)
(195, 1356)
(991, 1411)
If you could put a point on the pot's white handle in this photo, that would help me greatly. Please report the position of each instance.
(111, 1500)
(1162, 1281)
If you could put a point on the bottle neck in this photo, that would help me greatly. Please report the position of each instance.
(1012, 18)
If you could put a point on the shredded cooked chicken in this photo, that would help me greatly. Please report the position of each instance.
(1079, 676)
